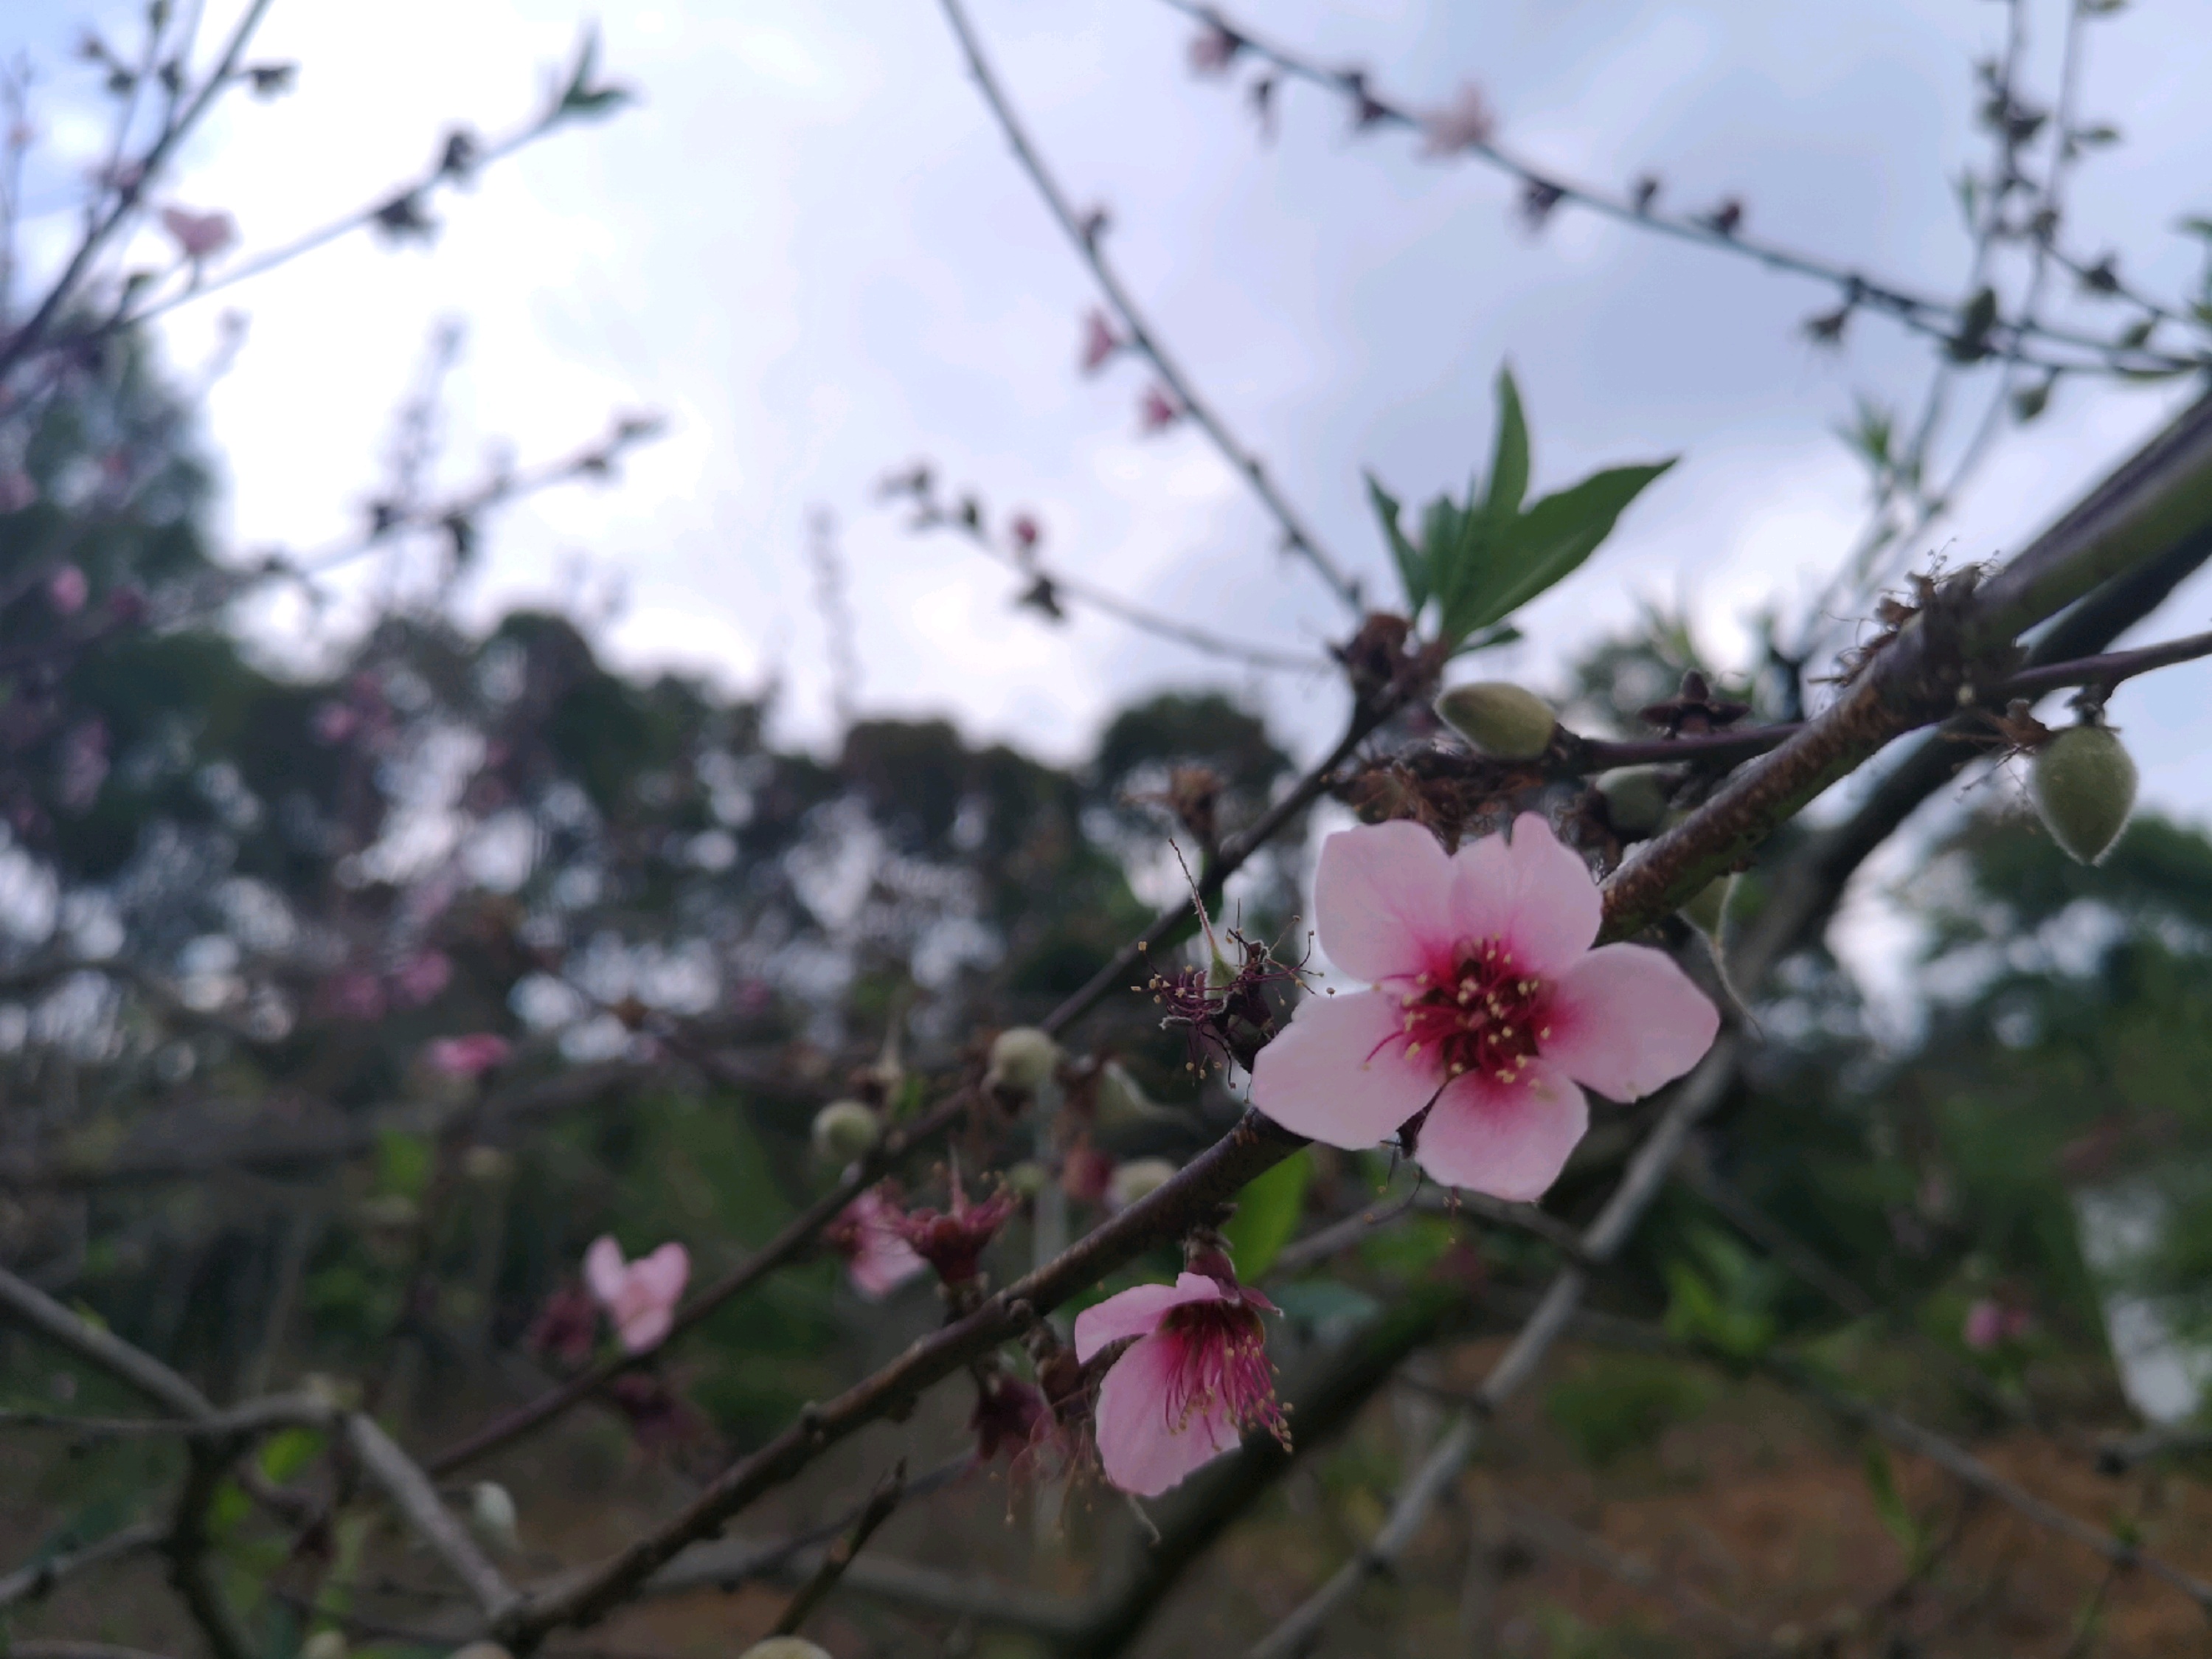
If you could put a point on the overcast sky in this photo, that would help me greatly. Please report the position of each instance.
(809, 247)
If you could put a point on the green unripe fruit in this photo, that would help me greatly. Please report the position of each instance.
(784, 1647)
(2083, 783)
(324, 1644)
(1021, 1061)
(1499, 719)
(844, 1130)
(1122, 1103)
(1028, 1178)
(492, 1513)
(1635, 801)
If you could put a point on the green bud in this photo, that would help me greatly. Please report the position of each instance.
(1021, 1061)
(2083, 783)
(324, 1644)
(491, 1512)
(1122, 1103)
(1635, 801)
(1140, 1178)
(1499, 719)
(1028, 1178)
(844, 1130)
(783, 1647)
(1706, 911)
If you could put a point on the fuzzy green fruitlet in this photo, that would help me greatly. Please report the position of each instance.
(2083, 783)
(1499, 719)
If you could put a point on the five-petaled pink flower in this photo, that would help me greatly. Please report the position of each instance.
(1489, 1010)
(468, 1056)
(1194, 1380)
(199, 235)
(1466, 123)
(1100, 342)
(871, 1237)
(640, 1295)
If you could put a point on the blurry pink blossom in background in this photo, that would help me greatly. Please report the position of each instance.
(1490, 1011)
(872, 1236)
(66, 590)
(467, 1057)
(422, 978)
(640, 1296)
(199, 235)
(1991, 1324)
(1186, 1390)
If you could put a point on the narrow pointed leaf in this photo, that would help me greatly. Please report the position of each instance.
(1509, 464)
(1412, 567)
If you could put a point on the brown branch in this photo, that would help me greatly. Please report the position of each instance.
(186, 1543)
(837, 1559)
(1085, 239)
(1935, 318)
(30, 1582)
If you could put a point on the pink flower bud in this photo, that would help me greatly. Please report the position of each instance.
(199, 235)
(1466, 123)
(1156, 410)
(467, 1057)
(1100, 342)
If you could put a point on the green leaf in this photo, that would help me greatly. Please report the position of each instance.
(1267, 1212)
(1413, 565)
(403, 1164)
(1509, 464)
(1544, 545)
(1889, 1503)
(288, 1451)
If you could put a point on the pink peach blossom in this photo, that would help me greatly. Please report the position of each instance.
(640, 1295)
(421, 978)
(468, 1056)
(1990, 1324)
(66, 590)
(199, 235)
(1490, 1010)
(871, 1235)
(1185, 1391)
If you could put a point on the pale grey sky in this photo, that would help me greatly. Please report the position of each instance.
(809, 247)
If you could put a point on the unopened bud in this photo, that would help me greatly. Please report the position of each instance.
(1499, 719)
(1710, 908)
(324, 1644)
(1139, 1178)
(1021, 1061)
(491, 1512)
(487, 1165)
(1122, 1103)
(844, 1130)
(1028, 1178)
(2084, 785)
(784, 1647)
(1635, 801)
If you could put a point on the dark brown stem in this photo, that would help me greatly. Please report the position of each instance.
(839, 1556)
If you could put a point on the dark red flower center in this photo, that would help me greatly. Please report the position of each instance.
(1481, 1014)
(1220, 1363)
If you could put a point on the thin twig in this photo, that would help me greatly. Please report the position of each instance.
(29, 1583)
(1297, 537)
(417, 1501)
(837, 1559)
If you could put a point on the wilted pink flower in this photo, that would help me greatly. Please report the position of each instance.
(1100, 342)
(1489, 1008)
(953, 1240)
(565, 1327)
(467, 1057)
(640, 1295)
(199, 235)
(66, 590)
(878, 1258)
(1186, 1390)
(421, 978)
(1990, 1324)
(1009, 1416)
(1156, 410)
(1214, 49)
(1466, 123)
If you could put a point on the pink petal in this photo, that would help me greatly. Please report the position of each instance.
(1339, 1072)
(662, 1274)
(1531, 892)
(1510, 1141)
(604, 1270)
(1137, 1443)
(645, 1328)
(1381, 899)
(1138, 1311)
(1625, 1019)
